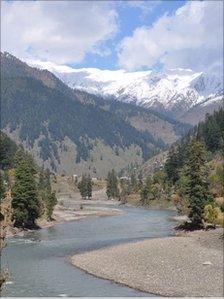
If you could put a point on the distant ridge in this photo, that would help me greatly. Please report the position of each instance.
(174, 92)
(71, 131)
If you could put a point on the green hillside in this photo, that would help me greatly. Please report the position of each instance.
(64, 130)
(190, 175)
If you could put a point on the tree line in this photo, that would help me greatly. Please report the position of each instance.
(32, 194)
(191, 181)
(84, 122)
(191, 177)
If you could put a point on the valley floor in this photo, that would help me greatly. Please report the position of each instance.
(62, 214)
(72, 207)
(187, 265)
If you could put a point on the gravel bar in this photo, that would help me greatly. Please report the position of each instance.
(190, 265)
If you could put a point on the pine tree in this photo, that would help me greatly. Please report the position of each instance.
(109, 187)
(2, 187)
(197, 189)
(25, 201)
(48, 197)
(134, 182)
(51, 201)
(112, 185)
(3, 273)
(146, 191)
(7, 151)
(82, 186)
(126, 189)
(89, 187)
(172, 165)
(85, 187)
(140, 180)
(144, 195)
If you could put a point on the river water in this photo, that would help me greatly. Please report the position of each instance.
(39, 262)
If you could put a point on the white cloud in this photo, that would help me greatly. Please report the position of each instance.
(146, 7)
(51, 66)
(57, 31)
(190, 38)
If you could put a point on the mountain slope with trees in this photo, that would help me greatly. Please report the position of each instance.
(161, 126)
(190, 175)
(68, 133)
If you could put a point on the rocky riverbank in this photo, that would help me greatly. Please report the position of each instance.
(83, 209)
(187, 265)
(62, 214)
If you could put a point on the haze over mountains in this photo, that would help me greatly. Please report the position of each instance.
(72, 131)
(180, 93)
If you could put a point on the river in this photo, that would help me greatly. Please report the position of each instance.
(39, 262)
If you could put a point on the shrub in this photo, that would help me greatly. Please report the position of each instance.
(220, 219)
(220, 203)
(211, 213)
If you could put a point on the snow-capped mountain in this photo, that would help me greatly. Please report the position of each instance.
(175, 91)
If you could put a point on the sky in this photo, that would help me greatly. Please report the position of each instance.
(130, 35)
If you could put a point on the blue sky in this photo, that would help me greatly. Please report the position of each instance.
(129, 19)
(132, 35)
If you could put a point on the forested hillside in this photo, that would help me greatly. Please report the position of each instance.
(209, 132)
(159, 125)
(194, 170)
(192, 177)
(70, 134)
(8, 149)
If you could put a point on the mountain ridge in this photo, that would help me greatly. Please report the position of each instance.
(71, 131)
(172, 92)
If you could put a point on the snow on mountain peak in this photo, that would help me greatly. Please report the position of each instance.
(172, 90)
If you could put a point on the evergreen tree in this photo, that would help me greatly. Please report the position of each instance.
(109, 187)
(197, 189)
(25, 201)
(126, 189)
(48, 197)
(112, 185)
(44, 179)
(134, 182)
(146, 191)
(211, 131)
(82, 186)
(21, 155)
(172, 164)
(51, 201)
(2, 187)
(89, 187)
(140, 180)
(7, 151)
(3, 273)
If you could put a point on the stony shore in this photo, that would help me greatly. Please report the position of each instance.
(186, 265)
(62, 214)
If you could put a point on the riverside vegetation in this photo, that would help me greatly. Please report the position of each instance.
(192, 178)
(30, 186)
(25, 191)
